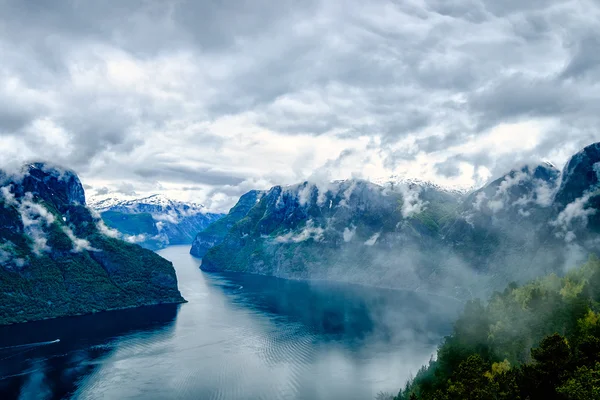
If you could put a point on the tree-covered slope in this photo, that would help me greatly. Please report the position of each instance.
(537, 341)
(215, 232)
(58, 259)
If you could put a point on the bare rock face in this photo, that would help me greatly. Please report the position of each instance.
(581, 175)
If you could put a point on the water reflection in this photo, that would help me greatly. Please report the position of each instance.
(31, 367)
(342, 311)
(239, 337)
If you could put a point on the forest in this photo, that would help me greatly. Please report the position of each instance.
(536, 341)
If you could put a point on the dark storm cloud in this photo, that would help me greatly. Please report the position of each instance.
(140, 90)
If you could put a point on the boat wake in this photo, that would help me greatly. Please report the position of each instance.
(28, 345)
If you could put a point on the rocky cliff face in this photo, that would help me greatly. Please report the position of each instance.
(578, 198)
(580, 176)
(156, 221)
(214, 233)
(58, 259)
(529, 222)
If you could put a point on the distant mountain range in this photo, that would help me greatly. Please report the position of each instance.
(409, 234)
(155, 221)
(57, 258)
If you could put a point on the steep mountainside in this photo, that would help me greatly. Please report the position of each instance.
(216, 231)
(352, 231)
(57, 259)
(529, 222)
(505, 227)
(578, 197)
(155, 221)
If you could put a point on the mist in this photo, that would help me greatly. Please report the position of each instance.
(299, 199)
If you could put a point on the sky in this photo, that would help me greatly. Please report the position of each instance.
(205, 100)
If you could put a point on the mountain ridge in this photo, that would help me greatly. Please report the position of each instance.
(154, 221)
(415, 234)
(56, 258)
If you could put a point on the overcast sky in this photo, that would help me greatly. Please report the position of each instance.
(204, 100)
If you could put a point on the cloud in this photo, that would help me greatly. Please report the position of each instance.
(105, 230)
(102, 191)
(349, 233)
(35, 217)
(138, 93)
(480, 198)
(125, 188)
(310, 231)
(372, 240)
(79, 244)
(8, 258)
(574, 215)
(411, 202)
(541, 192)
(135, 238)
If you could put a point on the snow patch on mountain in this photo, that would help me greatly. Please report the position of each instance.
(158, 202)
(396, 181)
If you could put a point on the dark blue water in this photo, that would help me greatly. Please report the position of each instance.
(239, 337)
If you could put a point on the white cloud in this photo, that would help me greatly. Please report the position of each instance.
(372, 240)
(349, 233)
(480, 198)
(79, 244)
(106, 231)
(411, 202)
(574, 214)
(304, 194)
(7, 256)
(135, 238)
(309, 231)
(34, 218)
(8, 196)
(347, 193)
(149, 98)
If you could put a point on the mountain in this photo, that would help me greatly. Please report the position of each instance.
(215, 232)
(155, 221)
(504, 228)
(409, 234)
(58, 259)
(353, 231)
(578, 197)
(580, 176)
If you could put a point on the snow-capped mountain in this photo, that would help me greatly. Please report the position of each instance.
(156, 203)
(394, 181)
(155, 221)
(412, 234)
